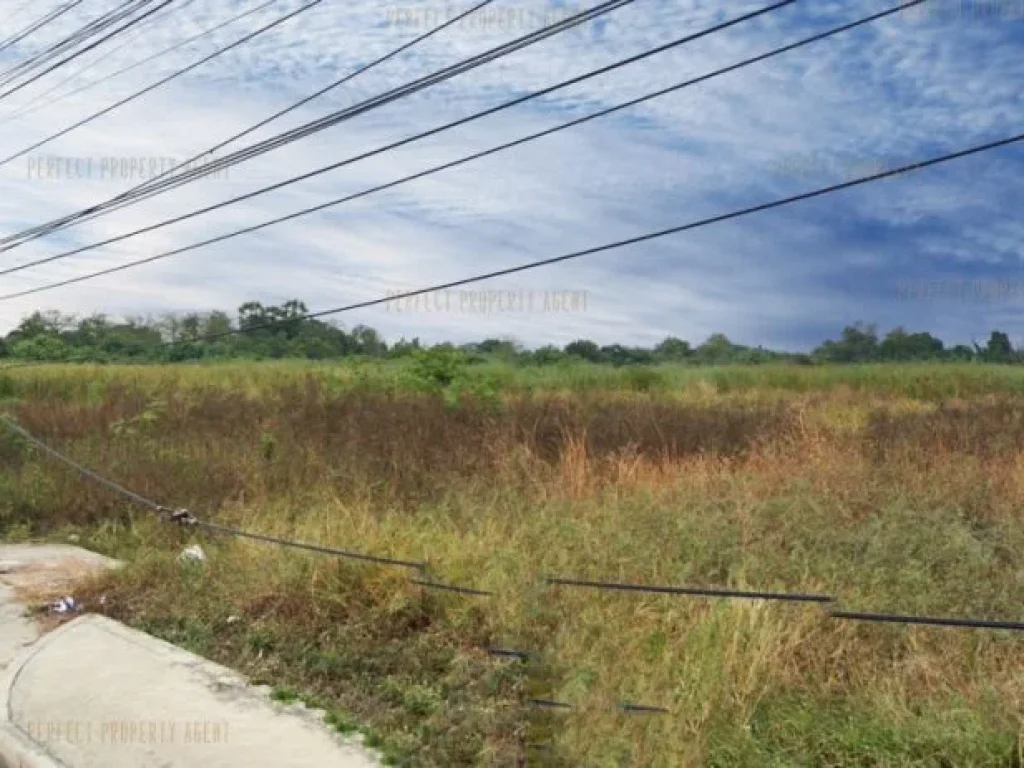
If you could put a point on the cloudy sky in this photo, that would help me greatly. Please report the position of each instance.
(939, 249)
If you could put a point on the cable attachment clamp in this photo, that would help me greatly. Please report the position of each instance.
(180, 516)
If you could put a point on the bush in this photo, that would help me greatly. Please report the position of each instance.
(439, 367)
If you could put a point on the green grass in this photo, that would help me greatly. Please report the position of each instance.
(894, 488)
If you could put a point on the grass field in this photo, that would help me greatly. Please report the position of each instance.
(894, 488)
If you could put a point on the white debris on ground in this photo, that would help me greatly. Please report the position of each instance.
(65, 604)
(192, 554)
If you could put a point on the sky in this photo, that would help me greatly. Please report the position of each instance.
(937, 249)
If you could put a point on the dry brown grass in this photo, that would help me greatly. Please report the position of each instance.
(889, 503)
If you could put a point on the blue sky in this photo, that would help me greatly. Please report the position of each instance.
(894, 92)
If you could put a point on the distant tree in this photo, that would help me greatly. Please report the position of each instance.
(585, 349)
(216, 323)
(716, 349)
(673, 350)
(859, 344)
(42, 347)
(900, 345)
(403, 348)
(368, 342)
(549, 355)
(617, 354)
(286, 331)
(42, 324)
(961, 352)
(191, 325)
(999, 349)
(508, 350)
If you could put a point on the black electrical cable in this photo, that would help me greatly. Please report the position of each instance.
(692, 225)
(124, 11)
(162, 81)
(445, 166)
(42, 230)
(32, 106)
(144, 191)
(35, 26)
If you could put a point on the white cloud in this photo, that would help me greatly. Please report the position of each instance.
(898, 90)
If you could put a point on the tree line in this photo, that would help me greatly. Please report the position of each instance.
(260, 332)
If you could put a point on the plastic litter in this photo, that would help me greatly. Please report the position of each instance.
(65, 605)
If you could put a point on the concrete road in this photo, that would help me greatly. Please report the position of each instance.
(94, 693)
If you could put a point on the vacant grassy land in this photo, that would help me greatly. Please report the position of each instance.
(895, 489)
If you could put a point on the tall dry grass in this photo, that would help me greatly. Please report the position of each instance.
(890, 502)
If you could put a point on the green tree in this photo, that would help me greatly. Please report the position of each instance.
(859, 344)
(585, 349)
(999, 349)
(900, 345)
(716, 349)
(673, 350)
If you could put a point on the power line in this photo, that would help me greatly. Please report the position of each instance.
(436, 169)
(215, 528)
(44, 229)
(693, 225)
(451, 588)
(1016, 626)
(462, 121)
(54, 49)
(80, 468)
(80, 34)
(689, 226)
(692, 591)
(304, 131)
(75, 40)
(37, 25)
(27, 108)
(148, 189)
(316, 94)
(162, 81)
(186, 518)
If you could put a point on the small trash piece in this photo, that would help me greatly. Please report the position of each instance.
(65, 605)
(194, 553)
(232, 619)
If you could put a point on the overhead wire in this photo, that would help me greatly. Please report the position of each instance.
(162, 81)
(43, 230)
(335, 84)
(445, 166)
(649, 236)
(125, 10)
(35, 26)
(335, 118)
(32, 106)
(148, 189)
